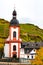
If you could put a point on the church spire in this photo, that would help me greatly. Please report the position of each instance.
(14, 21)
(14, 13)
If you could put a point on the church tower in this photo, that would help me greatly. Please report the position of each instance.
(13, 42)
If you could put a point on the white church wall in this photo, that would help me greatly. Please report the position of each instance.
(20, 45)
(12, 44)
(6, 50)
(12, 30)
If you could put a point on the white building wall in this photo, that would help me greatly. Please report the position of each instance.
(27, 56)
(6, 50)
(30, 56)
(12, 44)
(12, 30)
(22, 54)
(22, 51)
(32, 53)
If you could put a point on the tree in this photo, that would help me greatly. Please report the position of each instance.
(39, 57)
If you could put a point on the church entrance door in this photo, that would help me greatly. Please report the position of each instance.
(14, 56)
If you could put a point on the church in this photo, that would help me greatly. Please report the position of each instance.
(14, 46)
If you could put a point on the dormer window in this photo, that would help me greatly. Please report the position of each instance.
(36, 44)
(14, 34)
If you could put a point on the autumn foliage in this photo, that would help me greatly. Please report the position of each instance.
(39, 57)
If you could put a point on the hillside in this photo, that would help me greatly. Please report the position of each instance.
(31, 33)
(28, 32)
(4, 29)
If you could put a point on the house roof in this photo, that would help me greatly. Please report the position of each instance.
(27, 50)
(36, 45)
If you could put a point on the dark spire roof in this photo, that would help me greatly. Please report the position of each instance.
(14, 21)
(14, 13)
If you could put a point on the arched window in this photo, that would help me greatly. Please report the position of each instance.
(14, 34)
(14, 48)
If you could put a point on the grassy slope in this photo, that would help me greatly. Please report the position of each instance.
(4, 25)
(28, 32)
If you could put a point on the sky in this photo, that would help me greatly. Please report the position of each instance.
(28, 11)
